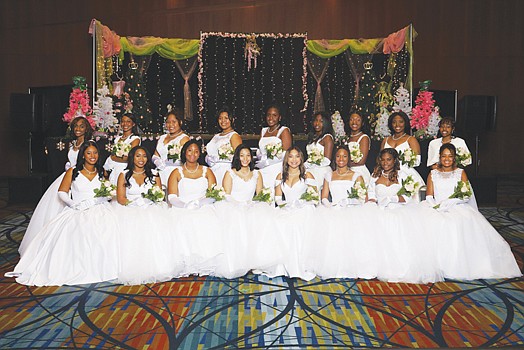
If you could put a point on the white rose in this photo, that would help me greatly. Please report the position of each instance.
(464, 189)
(410, 187)
(112, 193)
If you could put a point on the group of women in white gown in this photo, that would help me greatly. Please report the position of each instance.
(327, 216)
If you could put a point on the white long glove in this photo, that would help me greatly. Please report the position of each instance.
(279, 201)
(211, 160)
(448, 204)
(175, 201)
(325, 202)
(67, 166)
(88, 203)
(64, 197)
(140, 202)
(159, 163)
(385, 201)
(430, 201)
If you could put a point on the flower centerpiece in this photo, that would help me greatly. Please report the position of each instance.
(216, 192)
(463, 157)
(225, 151)
(314, 154)
(263, 196)
(173, 151)
(311, 195)
(409, 187)
(358, 191)
(107, 189)
(274, 150)
(355, 152)
(408, 157)
(154, 194)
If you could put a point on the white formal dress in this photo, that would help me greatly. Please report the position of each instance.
(434, 148)
(115, 168)
(162, 150)
(217, 165)
(339, 188)
(362, 169)
(319, 171)
(269, 168)
(243, 190)
(410, 171)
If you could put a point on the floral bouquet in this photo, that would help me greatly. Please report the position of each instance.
(408, 157)
(173, 152)
(274, 150)
(462, 191)
(107, 189)
(121, 149)
(225, 151)
(463, 157)
(216, 192)
(263, 196)
(155, 194)
(311, 195)
(314, 154)
(409, 187)
(355, 152)
(358, 191)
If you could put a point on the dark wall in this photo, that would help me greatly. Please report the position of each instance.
(474, 46)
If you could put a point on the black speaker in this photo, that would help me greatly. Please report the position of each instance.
(25, 111)
(477, 113)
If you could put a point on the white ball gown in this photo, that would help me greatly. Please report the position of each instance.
(77, 247)
(243, 190)
(405, 168)
(362, 169)
(115, 168)
(48, 207)
(269, 168)
(468, 247)
(170, 165)
(219, 166)
(319, 171)
(434, 148)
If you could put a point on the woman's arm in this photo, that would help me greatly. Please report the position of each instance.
(325, 190)
(430, 191)
(121, 190)
(260, 184)
(414, 145)
(278, 189)
(211, 179)
(227, 183)
(328, 144)
(172, 182)
(235, 141)
(65, 185)
(364, 148)
(287, 139)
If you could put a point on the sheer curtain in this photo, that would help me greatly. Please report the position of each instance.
(187, 68)
(318, 67)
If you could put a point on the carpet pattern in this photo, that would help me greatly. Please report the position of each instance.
(257, 312)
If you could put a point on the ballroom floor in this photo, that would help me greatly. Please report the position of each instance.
(258, 312)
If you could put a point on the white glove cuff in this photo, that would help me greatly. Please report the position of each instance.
(64, 197)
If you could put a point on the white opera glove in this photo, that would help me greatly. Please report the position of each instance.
(325, 202)
(279, 201)
(417, 161)
(448, 204)
(354, 201)
(194, 204)
(159, 163)
(262, 163)
(385, 201)
(175, 201)
(211, 160)
(91, 202)
(343, 203)
(230, 199)
(140, 202)
(64, 197)
(67, 166)
(430, 201)
(206, 201)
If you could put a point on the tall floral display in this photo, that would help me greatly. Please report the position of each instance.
(425, 116)
(104, 115)
(402, 100)
(79, 102)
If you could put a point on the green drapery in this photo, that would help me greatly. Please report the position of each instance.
(330, 48)
(172, 49)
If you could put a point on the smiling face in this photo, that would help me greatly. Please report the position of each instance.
(341, 158)
(318, 124)
(192, 153)
(80, 127)
(399, 124)
(127, 124)
(245, 157)
(446, 129)
(91, 155)
(447, 158)
(273, 117)
(387, 162)
(294, 160)
(172, 124)
(224, 122)
(140, 158)
(355, 122)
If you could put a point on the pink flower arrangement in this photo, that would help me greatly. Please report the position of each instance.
(424, 107)
(79, 103)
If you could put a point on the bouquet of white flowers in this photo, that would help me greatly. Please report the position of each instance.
(173, 151)
(216, 192)
(274, 150)
(463, 157)
(225, 151)
(358, 191)
(355, 152)
(154, 194)
(314, 154)
(409, 187)
(121, 149)
(408, 157)
(107, 189)
(263, 196)
(311, 195)
(462, 191)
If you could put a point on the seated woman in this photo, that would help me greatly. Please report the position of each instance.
(167, 152)
(79, 246)
(446, 131)
(137, 178)
(188, 184)
(340, 182)
(468, 247)
(242, 181)
(320, 148)
(222, 146)
(358, 136)
(117, 161)
(406, 145)
(294, 180)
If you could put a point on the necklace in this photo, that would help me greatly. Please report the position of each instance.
(339, 174)
(139, 172)
(175, 135)
(224, 133)
(191, 171)
(355, 135)
(386, 175)
(89, 172)
(398, 138)
(275, 129)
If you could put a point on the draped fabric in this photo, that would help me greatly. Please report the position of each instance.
(356, 64)
(173, 49)
(186, 69)
(318, 68)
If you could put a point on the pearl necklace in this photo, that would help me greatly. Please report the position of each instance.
(398, 138)
(191, 171)
(355, 135)
(172, 137)
(386, 175)
(89, 172)
(139, 173)
(339, 174)
(275, 129)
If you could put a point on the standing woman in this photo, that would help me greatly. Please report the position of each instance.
(320, 143)
(274, 135)
(446, 130)
(294, 180)
(222, 146)
(358, 137)
(116, 163)
(402, 141)
(50, 205)
(242, 181)
(169, 145)
(137, 178)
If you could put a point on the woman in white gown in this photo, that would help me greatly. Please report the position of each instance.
(446, 130)
(169, 145)
(358, 138)
(402, 141)
(222, 146)
(50, 205)
(242, 181)
(79, 246)
(468, 246)
(117, 162)
(320, 148)
(273, 136)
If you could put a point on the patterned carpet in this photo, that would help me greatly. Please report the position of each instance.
(258, 312)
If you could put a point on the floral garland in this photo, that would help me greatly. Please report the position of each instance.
(79, 102)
